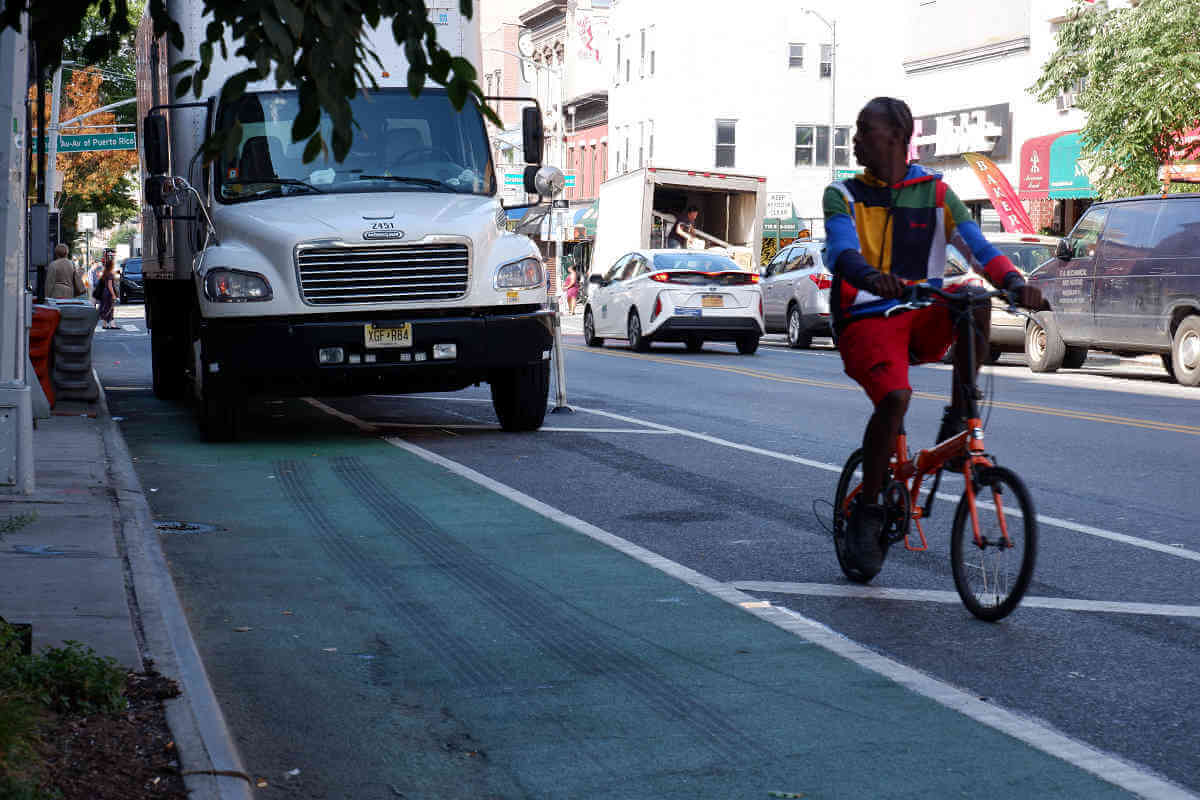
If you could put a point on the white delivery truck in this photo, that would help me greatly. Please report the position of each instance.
(390, 271)
(638, 209)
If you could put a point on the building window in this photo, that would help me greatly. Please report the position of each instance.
(652, 51)
(841, 147)
(641, 145)
(796, 56)
(726, 136)
(805, 145)
(618, 80)
(628, 60)
(826, 60)
(642, 60)
(626, 159)
(650, 145)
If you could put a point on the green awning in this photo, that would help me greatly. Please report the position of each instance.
(1068, 178)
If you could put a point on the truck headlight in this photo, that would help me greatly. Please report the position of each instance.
(524, 274)
(235, 286)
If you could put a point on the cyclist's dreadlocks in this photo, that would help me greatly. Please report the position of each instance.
(896, 112)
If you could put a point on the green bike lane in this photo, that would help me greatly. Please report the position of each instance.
(377, 625)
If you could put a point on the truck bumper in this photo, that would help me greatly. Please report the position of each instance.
(281, 355)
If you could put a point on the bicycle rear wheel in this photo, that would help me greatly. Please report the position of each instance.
(846, 483)
(991, 575)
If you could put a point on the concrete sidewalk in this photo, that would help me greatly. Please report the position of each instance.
(81, 562)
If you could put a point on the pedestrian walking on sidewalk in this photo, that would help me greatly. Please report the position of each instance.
(105, 292)
(571, 289)
(62, 279)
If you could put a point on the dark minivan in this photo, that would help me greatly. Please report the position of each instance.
(133, 283)
(1126, 280)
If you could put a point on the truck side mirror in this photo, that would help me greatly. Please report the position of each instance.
(154, 144)
(162, 190)
(532, 135)
(1064, 251)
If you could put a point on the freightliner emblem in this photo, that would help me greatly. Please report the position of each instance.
(383, 234)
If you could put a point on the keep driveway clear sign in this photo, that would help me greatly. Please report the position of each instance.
(779, 205)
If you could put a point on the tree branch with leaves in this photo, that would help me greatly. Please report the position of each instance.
(1139, 69)
(317, 46)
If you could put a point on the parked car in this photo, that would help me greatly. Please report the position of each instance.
(1027, 252)
(795, 288)
(684, 296)
(1126, 280)
(131, 286)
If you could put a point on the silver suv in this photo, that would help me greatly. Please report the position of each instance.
(795, 290)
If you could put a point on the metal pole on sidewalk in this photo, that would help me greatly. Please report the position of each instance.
(560, 383)
(51, 138)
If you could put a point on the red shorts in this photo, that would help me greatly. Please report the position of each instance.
(876, 351)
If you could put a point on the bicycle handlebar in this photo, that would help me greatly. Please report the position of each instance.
(920, 295)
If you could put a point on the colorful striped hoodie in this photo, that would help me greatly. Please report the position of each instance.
(902, 229)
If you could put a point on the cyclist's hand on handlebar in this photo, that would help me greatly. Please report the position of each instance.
(1030, 297)
(887, 286)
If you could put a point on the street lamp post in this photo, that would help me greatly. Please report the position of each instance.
(832, 25)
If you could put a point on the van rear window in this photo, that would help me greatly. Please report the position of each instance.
(1177, 229)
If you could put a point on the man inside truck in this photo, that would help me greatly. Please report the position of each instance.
(885, 229)
(683, 232)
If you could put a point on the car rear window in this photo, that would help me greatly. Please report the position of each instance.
(697, 261)
(1027, 256)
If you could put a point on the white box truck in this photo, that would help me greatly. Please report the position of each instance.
(390, 271)
(638, 209)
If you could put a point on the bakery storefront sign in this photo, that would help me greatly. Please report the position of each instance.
(983, 129)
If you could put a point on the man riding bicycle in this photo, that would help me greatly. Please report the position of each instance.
(885, 229)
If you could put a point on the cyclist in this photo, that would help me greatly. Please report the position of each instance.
(884, 229)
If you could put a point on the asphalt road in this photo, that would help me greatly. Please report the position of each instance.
(725, 464)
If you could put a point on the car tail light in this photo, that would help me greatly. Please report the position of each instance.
(821, 280)
(661, 277)
(726, 277)
(657, 307)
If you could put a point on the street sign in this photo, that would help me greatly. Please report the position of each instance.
(779, 205)
(568, 179)
(843, 174)
(85, 221)
(514, 178)
(86, 143)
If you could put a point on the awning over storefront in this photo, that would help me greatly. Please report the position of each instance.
(586, 218)
(1035, 166)
(783, 227)
(1068, 178)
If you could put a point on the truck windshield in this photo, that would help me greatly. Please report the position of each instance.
(401, 144)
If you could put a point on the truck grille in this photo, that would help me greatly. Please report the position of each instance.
(383, 274)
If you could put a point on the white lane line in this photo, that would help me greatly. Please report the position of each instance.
(1077, 527)
(128, 327)
(1038, 735)
(938, 596)
(545, 428)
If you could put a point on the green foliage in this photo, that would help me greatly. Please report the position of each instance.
(316, 45)
(110, 207)
(122, 236)
(64, 679)
(15, 522)
(1139, 69)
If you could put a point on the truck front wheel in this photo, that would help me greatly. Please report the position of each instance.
(219, 409)
(519, 395)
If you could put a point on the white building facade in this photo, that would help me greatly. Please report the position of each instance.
(746, 88)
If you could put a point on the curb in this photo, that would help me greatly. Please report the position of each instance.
(208, 757)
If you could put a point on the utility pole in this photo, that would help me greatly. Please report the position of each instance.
(832, 25)
(51, 137)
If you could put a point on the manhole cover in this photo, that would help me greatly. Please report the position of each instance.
(177, 526)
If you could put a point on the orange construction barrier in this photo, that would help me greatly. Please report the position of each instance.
(41, 343)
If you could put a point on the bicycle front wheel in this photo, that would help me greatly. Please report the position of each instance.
(993, 570)
(846, 483)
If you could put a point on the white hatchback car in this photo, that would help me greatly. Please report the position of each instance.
(684, 296)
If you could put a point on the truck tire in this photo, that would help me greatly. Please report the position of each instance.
(219, 415)
(1185, 352)
(1044, 347)
(519, 395)
(1074, 357)
(167, 365)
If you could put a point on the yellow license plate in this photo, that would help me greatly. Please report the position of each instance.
(712, 301)
(376, 337)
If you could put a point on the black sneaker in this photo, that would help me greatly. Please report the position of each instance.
(864, 537)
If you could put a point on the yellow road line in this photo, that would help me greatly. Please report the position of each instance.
(1088, 416)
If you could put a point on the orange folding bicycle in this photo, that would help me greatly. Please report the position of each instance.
(994, 537)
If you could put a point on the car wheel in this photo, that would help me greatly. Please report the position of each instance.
(637, 340)
(1185, 352)
(589, 329)
(797, 337)
(693, 343)
(747, 345)
(1044, 348)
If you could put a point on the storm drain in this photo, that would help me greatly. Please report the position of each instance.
(178, 526)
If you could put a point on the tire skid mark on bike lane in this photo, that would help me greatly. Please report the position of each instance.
(456, 655)
(553, 627)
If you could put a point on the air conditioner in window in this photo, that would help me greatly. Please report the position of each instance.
(1066, 100)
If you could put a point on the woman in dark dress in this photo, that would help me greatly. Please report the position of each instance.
(108, 292)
